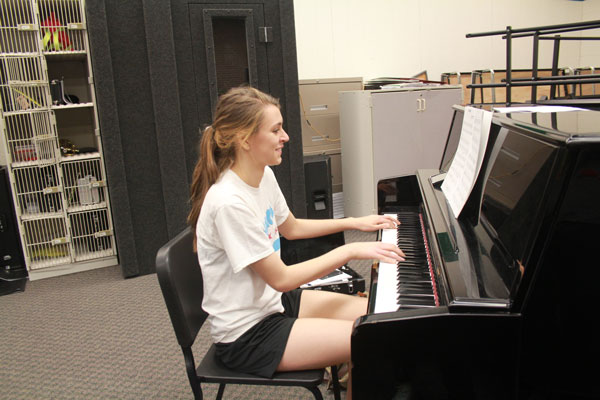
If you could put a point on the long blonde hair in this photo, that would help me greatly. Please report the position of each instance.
(238, 116)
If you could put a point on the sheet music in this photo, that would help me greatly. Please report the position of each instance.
(466, 164)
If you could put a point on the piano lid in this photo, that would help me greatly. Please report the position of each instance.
(566, 126)
(510, 202)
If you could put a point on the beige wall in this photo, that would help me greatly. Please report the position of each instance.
(375, 38)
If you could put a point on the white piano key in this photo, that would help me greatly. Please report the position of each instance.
(385, 298)
(387, 278)
(389, 236)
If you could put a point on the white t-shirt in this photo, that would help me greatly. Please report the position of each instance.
(237, 226)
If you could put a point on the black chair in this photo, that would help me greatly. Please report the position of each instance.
(180, 279)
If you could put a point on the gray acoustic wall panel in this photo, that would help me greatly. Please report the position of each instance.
(152, 92)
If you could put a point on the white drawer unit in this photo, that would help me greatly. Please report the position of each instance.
(388, 133)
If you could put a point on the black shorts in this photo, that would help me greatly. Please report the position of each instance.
(259, 350)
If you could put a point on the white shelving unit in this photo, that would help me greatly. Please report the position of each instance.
(50, 138)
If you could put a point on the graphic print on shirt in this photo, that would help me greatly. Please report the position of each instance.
(271, 230)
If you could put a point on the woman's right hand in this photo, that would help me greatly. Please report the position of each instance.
(385, 252)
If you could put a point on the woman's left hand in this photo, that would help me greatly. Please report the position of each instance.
(371, 223)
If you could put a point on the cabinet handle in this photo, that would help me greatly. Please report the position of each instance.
(424, 104)
(419, 105)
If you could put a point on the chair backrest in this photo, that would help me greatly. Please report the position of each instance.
(180, 280)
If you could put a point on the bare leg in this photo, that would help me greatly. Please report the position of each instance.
(316, 343)
(322, 304)
(321, 335)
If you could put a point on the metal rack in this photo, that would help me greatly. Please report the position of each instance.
(18, 27)
(31, 138)
(558, 76)
(62, 26)
(51, 142)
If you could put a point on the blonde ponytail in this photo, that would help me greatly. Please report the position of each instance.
(237, 116)
(205, 174)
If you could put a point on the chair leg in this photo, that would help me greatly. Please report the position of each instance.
(220, 391)
(198, 394)
(190, 367)
(336, 382)
(316, 392)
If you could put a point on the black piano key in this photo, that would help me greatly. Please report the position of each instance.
(407, 244)
(412, 307)
(408, 285)
(405, 273)
(414, 272)
(418, 301)
(414, 282)
(416, 293)
(421, 292)
(416, 290)
(410, 301)
(412, 268)
(412, 278)
(416, 257)
(425, 298)
(414, 285)
(407, 250)
(413, 259)
(411, 265)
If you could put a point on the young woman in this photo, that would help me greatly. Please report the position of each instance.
(259, 320)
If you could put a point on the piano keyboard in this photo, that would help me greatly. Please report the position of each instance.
(407, 284)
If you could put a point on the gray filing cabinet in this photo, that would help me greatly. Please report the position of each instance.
(389, 133)
(321, 121)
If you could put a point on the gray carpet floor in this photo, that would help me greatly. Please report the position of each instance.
(95, 335)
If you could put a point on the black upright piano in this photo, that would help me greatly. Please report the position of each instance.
(501, 302)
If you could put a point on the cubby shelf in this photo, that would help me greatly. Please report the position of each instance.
(50, 138)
